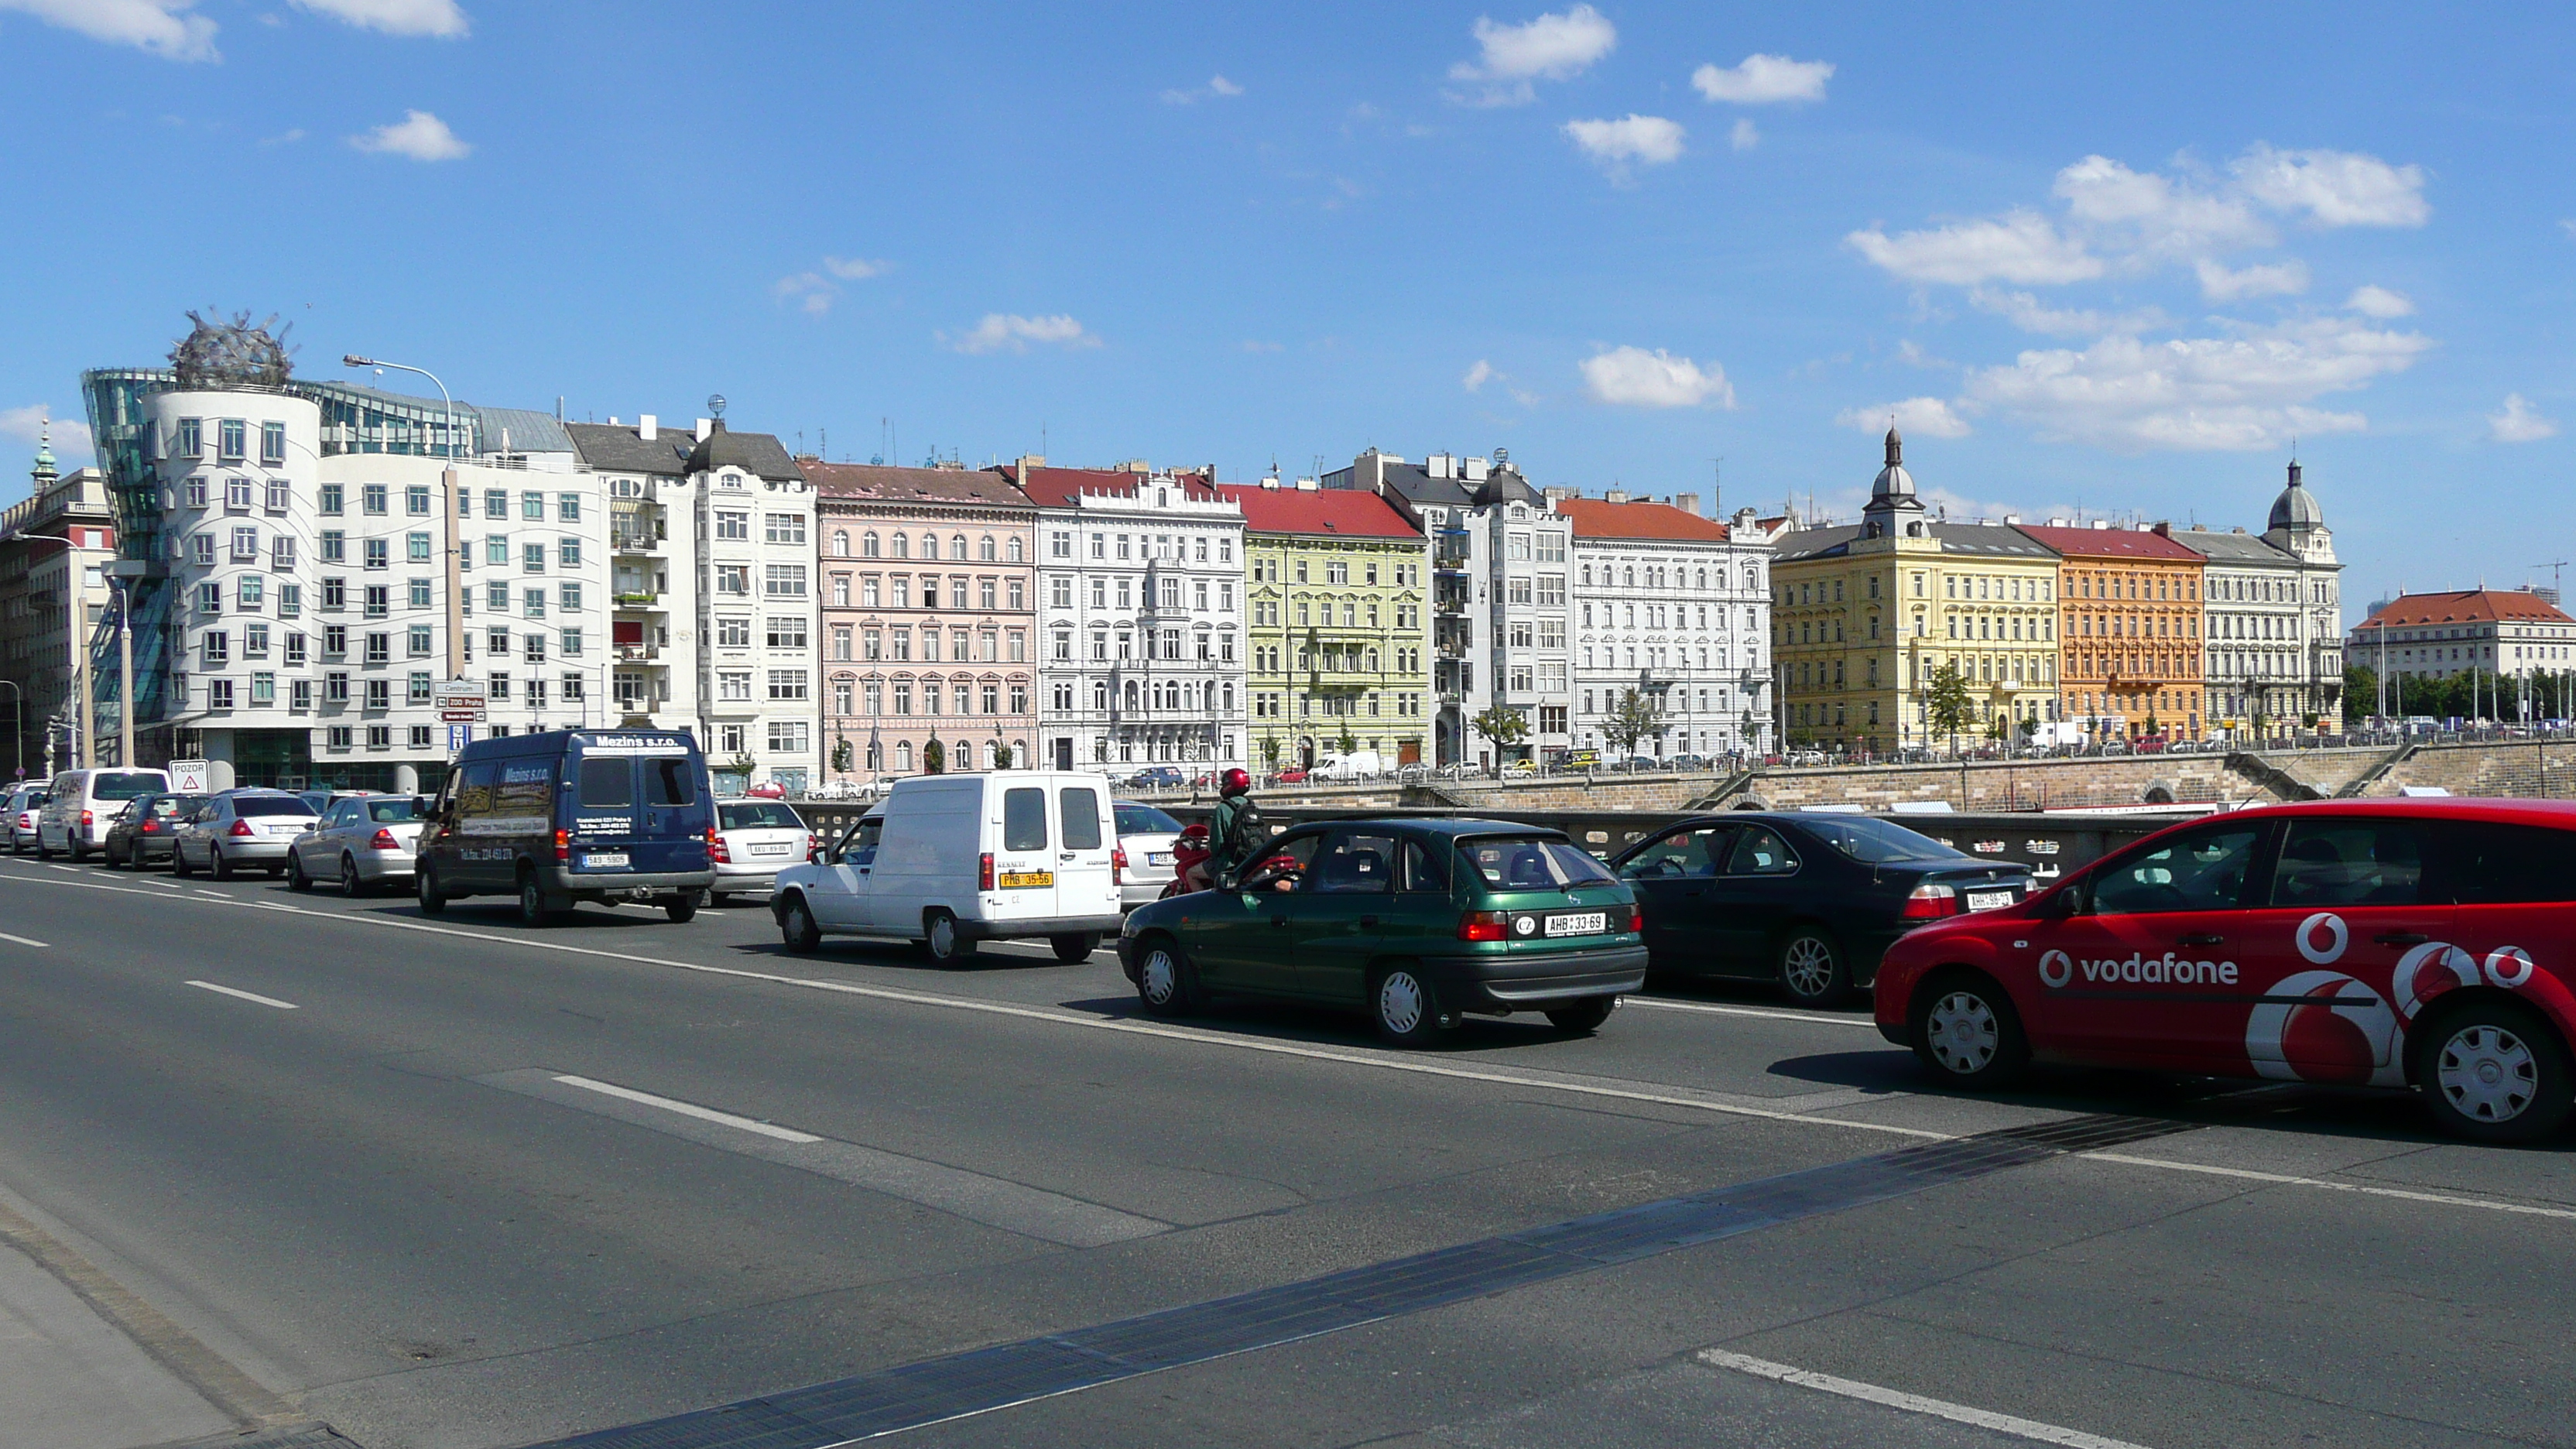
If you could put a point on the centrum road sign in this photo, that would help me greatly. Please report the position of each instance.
(459, 701)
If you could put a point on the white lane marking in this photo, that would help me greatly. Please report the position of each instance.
(245, 995)
(2280, 1179)
(688, 1109)
(1660, 1004)
(23, 940)
(1912, 1403)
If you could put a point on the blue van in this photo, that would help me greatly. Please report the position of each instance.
(607, 816)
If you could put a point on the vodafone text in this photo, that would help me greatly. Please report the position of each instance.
(2059, 969)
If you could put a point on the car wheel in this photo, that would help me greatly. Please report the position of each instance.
(1075, 947)
(940, 936)
(1584, 1017)
(222, 868)
(1966, 1031)
(796, 927)
(532, 902)
(682, 908)
(1166, 984)
(110, 852)
(1406, 1008)
(73, 847)
(350, 885)
(426, 886)
(2494, 1071)
(179, 860)
(1812, 968)
(296, 879)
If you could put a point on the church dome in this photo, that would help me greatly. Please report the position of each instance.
(2296, 507)
(1893, 481)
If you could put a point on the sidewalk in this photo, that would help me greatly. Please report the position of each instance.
(72, 1380)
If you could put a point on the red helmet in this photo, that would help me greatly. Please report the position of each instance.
(1235, 782)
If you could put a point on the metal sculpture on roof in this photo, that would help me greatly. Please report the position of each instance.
(217, 355)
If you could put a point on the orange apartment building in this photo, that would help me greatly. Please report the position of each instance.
(2129, 647)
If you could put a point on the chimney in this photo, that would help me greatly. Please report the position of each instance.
(706, 428)
(2061, 523)
(1475, 471)
(1558, 495)
(1608, 495)
(2101, 523)
(2163, 529)
(2012, 518)
(1270, 481)
(1440, 465)
(1687, 503)
(1308, 485)
(647, 428)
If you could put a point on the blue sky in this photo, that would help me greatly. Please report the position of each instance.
(2107, 256)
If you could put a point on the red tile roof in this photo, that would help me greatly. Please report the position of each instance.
(1601, 518)
(2464, 606)
(878, 483)
(1342, 512)
(2127, 545)
(1058, 487)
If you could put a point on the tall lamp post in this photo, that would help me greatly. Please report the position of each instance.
(76, 660)
(447, 478)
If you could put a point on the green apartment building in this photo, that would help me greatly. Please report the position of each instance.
(1338, 589)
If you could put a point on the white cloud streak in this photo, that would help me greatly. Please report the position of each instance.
(1643, 140)
(27, 425)
(1763, 80)
(2335, 188)
(2379, 302)
(1634, 377)
(2027, 313)
(2518, 423)
(1478, 375)
(439, 19)
(1217, 88)
(418, 135)
(1927, 417)
(1743, 137)
(2219, 284)
(169, 29)
(2022, 247)
(1551, 47)
(1010, 332)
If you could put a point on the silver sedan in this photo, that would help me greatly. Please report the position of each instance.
(239, 829)
(364, 842)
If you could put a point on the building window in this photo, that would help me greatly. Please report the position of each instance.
(571, 687)
(733, 525)
(416, 688)
(496, 503)
(787, 684)
(191, 440)
(193, 493)
(569, 640)
(733, 579)
(379, 601)
(498, 686)
(789, 632)
(787, 736)
(733, 684)
(786, 581)
(219, 694)
(568, 598)
(380, 694)
(218, 649)
(299, 694)
(380, 648)
(279, 494)
(234, 440)
(783, 527)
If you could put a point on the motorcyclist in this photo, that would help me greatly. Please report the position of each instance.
(1230, 827)
(1189, 855)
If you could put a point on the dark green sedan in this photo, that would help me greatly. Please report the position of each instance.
(1415, 921)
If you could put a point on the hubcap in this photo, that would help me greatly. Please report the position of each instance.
(943, 936)
(2487, 1073)
(1962, 1032)
(1399, 1002)
(1809, 965)
(800, 925)
(1159, 977)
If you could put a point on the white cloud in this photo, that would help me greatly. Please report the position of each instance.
(1478, 375)
(1763, 80)
(2153, 216)
(1927, 417)
(2379, 302)
(1552, 47)
(1743, 137)
(853, 269)
(1218, 87)
(816, 291)
(2219, 284)
(2518, 423)
(439, 18)
(1000, 332)
(1646, 140)
(1634, 377)
(27, 425)
(2336, 188)
(2021, 247)
(2025, 312)
(2251, 389)
(166, 28)
(418, 135)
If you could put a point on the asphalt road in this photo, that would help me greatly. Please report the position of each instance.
(451, 1182)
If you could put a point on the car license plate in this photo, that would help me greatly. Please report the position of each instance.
(769, 850)
(1013, 880)
(615, 860)
(1989, 900)
(1590, 923)
(1158, 857)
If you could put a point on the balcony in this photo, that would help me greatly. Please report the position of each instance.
(629, 597)
(638, 653)
(641, 543)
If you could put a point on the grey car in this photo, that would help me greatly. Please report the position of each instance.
(19, 820)
(365, 842)
(753, 839)
(239, 829)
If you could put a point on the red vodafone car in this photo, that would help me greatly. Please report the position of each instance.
(2389, 943)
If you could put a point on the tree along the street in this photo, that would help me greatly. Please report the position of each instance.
(1947, 705)
(1503, 726)
(1637, 715)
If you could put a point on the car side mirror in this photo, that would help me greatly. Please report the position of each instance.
(2057, 906)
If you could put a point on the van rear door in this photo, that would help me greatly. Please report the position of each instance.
(1025, 868)
(1085, 884)
(674, 833)
(603, 814)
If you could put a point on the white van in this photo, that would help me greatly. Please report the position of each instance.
(950, 860)
(85, 803)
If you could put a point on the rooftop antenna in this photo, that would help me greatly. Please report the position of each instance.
(1717, 488)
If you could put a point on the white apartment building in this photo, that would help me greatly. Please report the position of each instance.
(2274, 619)
(1501, 558)
(1676, 607)
(1140, 614)
(711, 533)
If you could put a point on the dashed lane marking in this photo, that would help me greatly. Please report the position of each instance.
(24, 941)
(2011, 1424)
(1660, 1004)
(688, 1109)
(245, 995)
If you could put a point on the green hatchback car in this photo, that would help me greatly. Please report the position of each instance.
(1415, 921)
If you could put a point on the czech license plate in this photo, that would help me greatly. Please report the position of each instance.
(1989, 900)
(606, 860)
(1590, 923)
(1158, 857)
(1013, 880)
(769, 849)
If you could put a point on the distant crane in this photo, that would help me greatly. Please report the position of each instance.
(2554, 566)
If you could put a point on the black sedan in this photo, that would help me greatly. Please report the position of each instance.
(142, 834)
(1810, 901)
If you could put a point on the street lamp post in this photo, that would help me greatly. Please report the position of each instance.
(447, 478)
(76, 660)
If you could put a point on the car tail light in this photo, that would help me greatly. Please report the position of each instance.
(1118, 865)
(717, 850)
(240, 827)
(1636, 921)
(86, 821)
(150, 827)
(1484, 925)
(984, 871)
(563, 847)
(384, 841)
(1930, 903)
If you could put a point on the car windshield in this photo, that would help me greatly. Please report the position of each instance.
(1144, 820)
(758, 815)
(1532, 864)
(269, 805)
(1874, 842)
(166, 805)
(393, 810)
(125, 784)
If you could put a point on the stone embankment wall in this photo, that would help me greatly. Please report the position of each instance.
(2531, 771)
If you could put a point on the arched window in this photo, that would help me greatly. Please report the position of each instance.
(840, 543)
(1630, 581)
(930, 545)
(957, 548)
(984, 548)
(903, 755)
(1131, 694)
(902, 546)
(868, 544)
(1016, 557)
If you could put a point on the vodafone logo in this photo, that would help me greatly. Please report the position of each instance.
(2328, 949)
(2056, 969)
(2508, 966)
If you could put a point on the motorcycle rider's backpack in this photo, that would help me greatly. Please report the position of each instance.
(1244, 835)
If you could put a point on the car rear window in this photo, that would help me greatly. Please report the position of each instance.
(392, 812)
(1875, 842)
(1533, 864)
(1024, 819)
(758, 815)
(607, 782)
(2497, 865)
(168, 805)
(670, 782)
(1144, 820)
(269, 805)
(124, 784)
(1080, 812)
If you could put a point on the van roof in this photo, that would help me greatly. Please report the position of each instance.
(556, 742)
